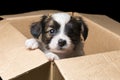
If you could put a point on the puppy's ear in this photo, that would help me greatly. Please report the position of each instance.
(84, 28)
(38, 27)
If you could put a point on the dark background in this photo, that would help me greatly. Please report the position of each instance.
(109, 8)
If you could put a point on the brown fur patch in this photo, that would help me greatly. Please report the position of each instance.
(48, 26)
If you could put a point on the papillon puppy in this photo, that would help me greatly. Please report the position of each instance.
(59, 36)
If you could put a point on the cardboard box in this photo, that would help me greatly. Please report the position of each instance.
(102, 49)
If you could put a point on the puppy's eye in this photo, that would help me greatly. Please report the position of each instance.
(52, 31)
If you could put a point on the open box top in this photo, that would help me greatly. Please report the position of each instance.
(104, 66)
(16, 62)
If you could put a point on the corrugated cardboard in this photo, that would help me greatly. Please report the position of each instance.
(39, 12)
(18, 63)
(14, 58)
(104, 66)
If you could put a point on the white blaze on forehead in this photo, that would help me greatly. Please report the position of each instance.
(61, 18)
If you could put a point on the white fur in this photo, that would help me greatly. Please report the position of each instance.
(31, 44)
(54, 44)
(62, 19)
(51, 56)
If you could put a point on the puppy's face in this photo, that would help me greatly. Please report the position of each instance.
(60, 32)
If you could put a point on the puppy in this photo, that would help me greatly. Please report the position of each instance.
(58, 36)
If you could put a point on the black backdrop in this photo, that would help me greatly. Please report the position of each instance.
(109, 8)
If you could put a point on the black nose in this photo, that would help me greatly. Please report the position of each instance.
(61, 42)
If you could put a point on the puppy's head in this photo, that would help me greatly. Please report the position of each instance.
(60, 32)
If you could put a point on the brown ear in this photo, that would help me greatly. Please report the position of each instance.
(38, 27)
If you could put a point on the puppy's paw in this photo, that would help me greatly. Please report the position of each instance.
(52, 56)
(31, 44)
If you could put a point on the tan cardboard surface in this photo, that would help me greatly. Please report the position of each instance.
(56, 75)
(106, 21)
(15, 59)
(93, 67)
(23, 23)
(39, 12)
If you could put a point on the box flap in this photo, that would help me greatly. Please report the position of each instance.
(103, 20)
(23, 23)
(15, 59)
(103, 35)
(39, 12)
(93, 67)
